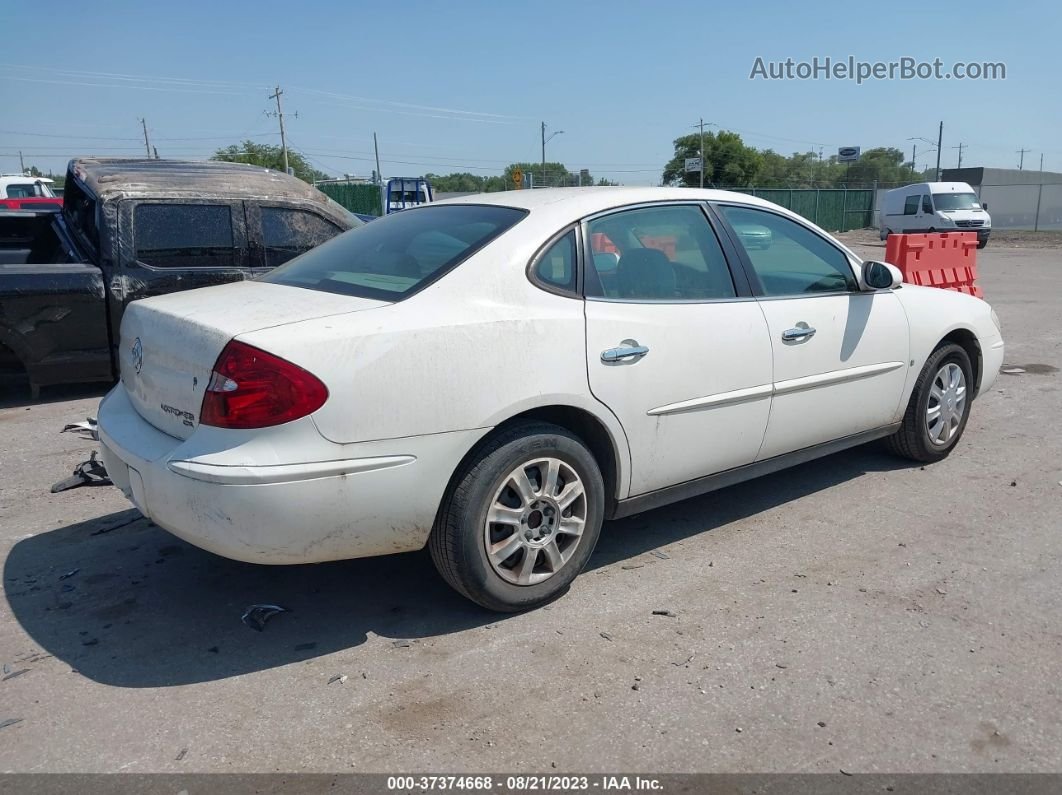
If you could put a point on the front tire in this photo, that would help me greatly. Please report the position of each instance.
(982, 243)
(939, 408)
(521, 519)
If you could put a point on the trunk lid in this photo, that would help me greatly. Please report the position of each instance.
(169, 343)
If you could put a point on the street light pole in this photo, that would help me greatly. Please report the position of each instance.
(544, 140)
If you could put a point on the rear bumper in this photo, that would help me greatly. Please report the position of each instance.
(237, 495)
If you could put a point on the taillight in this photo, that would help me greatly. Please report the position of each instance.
(250, 388)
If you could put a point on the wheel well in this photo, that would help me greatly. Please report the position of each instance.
(967, 340)
(9, 360)
(582, 424)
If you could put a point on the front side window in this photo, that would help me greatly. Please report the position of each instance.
(910, 205)
(795, 261)
(556, 267)
(184, 236)
(394, 256)
(666, 253)
(287, 232)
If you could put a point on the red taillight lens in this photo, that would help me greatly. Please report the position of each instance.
(250, 388)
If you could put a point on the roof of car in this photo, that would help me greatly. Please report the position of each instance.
(585, 201)
(21, 179)
(129, 177)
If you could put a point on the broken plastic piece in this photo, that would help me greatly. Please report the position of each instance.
(256, 616)
(87, 429)
(87, 473)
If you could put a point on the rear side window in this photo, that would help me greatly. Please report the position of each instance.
(287, 232)
(184, 236)
(395, 256)
(556, 266)
(910, 205)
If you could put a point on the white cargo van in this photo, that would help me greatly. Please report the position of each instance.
(935, 207)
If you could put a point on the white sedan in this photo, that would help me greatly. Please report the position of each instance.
(495, 376)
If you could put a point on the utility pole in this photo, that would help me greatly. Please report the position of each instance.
(959, 147)
(280, 115)
(702, 151)
(147, 144)
(1021, 161)
(21, 163)
(940, 143)
(1041, 166)
(376, 147)
(914, 158)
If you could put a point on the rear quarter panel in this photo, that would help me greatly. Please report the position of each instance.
(469, 352)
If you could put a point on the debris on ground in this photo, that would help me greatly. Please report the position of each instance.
(90, 642)
(87, 473)
(9, 722)
(69, 574)
(14, 674)
(1012, 370)
(667, 613)
(400, 644)
(606, 636)
(660, 554)
(630, 566)
(181, 754)
(256, 616)
(941, 591)
(341, 678)
(86, 430)
(687, 661)
(306, 646)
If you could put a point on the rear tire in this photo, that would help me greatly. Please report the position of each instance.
(521, 518)
(939, 407)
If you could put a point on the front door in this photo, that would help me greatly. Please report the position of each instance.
(678, 353)
(840, 355)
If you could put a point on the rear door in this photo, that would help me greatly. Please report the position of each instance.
(279, 233)
(840, 355)
(179, 244)
(676, 346)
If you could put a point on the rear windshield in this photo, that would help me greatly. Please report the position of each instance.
(393, 257)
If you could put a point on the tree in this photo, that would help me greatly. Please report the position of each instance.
(269, 156)
(728, 162)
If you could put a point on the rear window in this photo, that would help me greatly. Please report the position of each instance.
(184, 236)
(393, 257)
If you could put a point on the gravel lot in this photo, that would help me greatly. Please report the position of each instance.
(856, 613)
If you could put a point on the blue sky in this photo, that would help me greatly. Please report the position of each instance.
(463, 85)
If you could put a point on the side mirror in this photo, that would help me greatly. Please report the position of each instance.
(881, 275)
(984, 207)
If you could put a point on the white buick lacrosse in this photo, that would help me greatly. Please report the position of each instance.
(495, 376)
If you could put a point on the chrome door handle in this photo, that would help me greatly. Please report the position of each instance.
(798, 333)
(617, 354)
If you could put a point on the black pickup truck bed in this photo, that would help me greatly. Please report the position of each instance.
(131, 229)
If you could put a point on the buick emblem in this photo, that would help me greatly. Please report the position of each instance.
(138, 355)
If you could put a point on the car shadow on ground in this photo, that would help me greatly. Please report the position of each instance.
(126, 604)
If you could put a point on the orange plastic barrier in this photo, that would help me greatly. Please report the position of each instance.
(945, 259)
